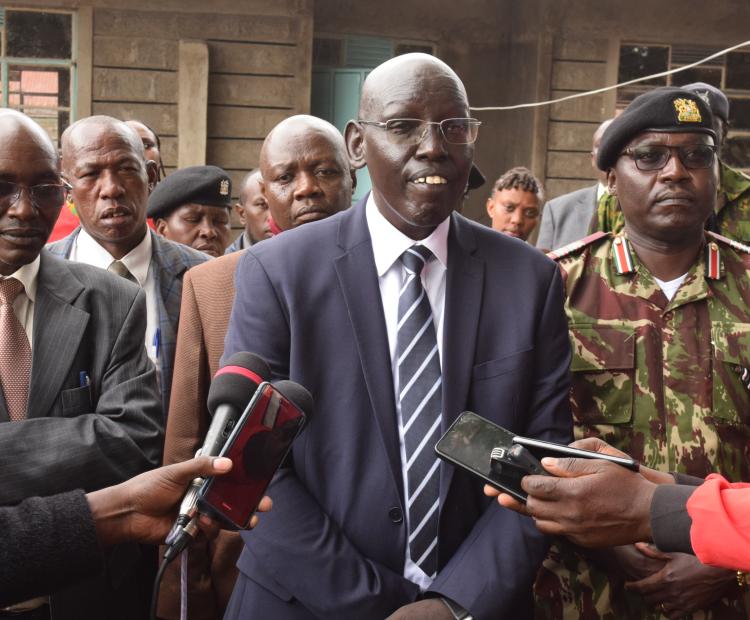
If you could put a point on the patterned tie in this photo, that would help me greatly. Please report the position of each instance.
(118, 267)
(15, 352)
(420, 395)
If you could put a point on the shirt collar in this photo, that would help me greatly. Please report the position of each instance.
(137, 260)
(28, 276)
(389, 243)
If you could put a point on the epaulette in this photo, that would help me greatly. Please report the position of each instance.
(737, 245)
(569, 249)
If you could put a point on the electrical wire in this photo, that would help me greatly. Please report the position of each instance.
(604, 89)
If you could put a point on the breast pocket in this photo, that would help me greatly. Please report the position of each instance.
(498, 385)
(603, 367)
(76, 401)
(731, 357)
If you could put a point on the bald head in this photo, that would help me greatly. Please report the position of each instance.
(13, 123)
(92, 129)
(398, 76)
(305, 171)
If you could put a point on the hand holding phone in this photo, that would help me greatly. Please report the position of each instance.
(502, 458)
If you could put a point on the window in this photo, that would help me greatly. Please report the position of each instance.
(36, 66)
(730, 73)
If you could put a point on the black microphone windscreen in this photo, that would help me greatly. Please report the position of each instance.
(297, 394)
(236, 381)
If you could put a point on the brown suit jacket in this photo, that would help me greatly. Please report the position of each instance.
(207, 296)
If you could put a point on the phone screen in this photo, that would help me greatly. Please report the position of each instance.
(468, 443)
(257, 448)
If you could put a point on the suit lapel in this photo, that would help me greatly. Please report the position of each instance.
(463, 301)
(58, 329)
(359, 285)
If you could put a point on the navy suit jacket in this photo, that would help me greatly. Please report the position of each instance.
(308, 301)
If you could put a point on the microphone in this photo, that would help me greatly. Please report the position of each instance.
(231, 390)
(297, 394)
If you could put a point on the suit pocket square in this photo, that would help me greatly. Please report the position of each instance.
(76, 401)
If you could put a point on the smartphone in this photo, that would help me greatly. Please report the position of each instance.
(545, 448)
(469, 443)
(471, 440)
(257, 447)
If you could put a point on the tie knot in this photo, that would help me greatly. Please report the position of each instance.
(118, 267)
(10, 288)
(416, 257)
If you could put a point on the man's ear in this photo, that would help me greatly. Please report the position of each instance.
(355, 144)
(240, 210)
(490, 207)
(161, 227)
(152, 171)
(612, 182)
(353, 174)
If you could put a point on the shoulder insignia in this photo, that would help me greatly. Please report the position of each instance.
(737, 245)
(571, 248)
(622, 256)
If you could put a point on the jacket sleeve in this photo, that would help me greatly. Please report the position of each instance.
(46, 543)
(332, 578)
(120, 438)
(492, 573)
(720, 533)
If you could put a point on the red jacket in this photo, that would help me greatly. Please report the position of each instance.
(720, 533)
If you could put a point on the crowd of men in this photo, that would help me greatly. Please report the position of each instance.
(397, 313)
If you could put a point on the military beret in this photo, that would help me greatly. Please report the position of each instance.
(662, 109)
(205, 185)
(715, 99)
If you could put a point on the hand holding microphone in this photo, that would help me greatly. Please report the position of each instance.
(232, 389)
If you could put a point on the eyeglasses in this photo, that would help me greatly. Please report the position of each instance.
(655, 156)
(43, 196)
(413, 130)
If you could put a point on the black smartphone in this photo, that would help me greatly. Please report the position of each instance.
(478, 446)
(257, 446)
(546, 448)
(469, 444)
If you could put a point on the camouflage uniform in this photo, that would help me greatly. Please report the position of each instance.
(732, 207)
(659, 380)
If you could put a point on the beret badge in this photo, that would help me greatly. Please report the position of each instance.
(224, 187)
(687, 111)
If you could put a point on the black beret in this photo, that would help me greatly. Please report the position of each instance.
(204, 185)
(715, 99)
(662, 109)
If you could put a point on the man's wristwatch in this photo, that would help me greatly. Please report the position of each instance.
(459, 613)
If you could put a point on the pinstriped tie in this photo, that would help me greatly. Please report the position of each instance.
(420, 396)
(15, 352)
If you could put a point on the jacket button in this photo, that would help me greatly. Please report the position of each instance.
(396, 515)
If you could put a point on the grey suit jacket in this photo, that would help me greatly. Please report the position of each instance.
(567, 218)
(94, 412)
(170, 261)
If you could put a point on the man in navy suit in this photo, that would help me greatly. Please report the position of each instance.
(323, 304)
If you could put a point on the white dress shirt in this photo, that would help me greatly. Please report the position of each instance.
(388, 244)
(138, 261)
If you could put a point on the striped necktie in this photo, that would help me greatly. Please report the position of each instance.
(420, 396)
(15, 352)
